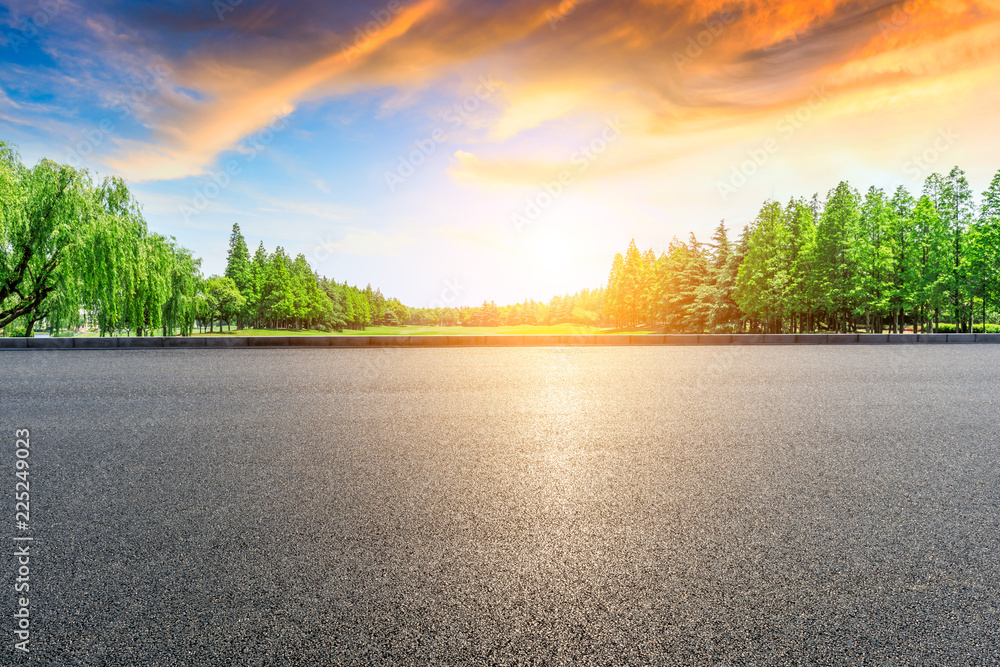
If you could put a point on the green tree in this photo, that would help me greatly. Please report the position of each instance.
(982, 258)
(800, 219)
(182, 307)
(48, 218)
(904, 260)
(238, 268)
(957, 210)
(725, 315)
(832, 280)
(871, 255)
(684, 276)
(222, 299)
(932, 274)
(764, 277)
(614, 303)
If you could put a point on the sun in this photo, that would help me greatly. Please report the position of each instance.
(551, 251)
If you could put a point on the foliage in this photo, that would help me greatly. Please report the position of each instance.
(72, 250)
(851, 263)
(75, 252)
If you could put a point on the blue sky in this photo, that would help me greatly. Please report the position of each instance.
(541, 136)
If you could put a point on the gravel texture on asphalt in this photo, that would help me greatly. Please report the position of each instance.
(656, 506)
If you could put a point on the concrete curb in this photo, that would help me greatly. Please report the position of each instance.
(673, 340)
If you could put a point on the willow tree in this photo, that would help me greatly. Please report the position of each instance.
(185, 301)
(46, 223)
(125, 275)
(67, 245)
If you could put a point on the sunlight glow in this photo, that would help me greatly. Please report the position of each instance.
(551, 252)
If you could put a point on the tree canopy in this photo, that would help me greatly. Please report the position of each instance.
(70, 246)
(76, 251)
(853, 262)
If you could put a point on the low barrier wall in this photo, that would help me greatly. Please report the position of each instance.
(152, 342)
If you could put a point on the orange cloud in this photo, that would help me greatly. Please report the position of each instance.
(238, 111)
(669, 67)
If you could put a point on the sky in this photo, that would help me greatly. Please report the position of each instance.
(456, 151)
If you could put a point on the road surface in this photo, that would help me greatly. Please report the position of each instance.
(765, 505)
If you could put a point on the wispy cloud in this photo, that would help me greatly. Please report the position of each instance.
(671, 69)
(669, 65)
(318, 210)
(242, 101)
(366, 243)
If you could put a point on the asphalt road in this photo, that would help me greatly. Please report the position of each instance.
(751, 505)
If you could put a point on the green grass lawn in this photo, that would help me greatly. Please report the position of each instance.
(523, 330)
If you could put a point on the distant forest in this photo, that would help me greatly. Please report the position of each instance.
(75, 253)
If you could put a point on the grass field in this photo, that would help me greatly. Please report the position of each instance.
(524, 330)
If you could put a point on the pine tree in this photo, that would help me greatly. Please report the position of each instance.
(982, 259)
(990, 208)
(957, 211)
(255, 290)
(801, 222)
(904, 276)
(832, 269)
(931, 243)
(632, 284)
(870, 253)
(726, 315)
(238, 268)
(614, 303)
(764, 277)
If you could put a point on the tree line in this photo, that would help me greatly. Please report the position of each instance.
(77, 252)
(855, 262)
(274, 291)
(585, 308)
(74, 249)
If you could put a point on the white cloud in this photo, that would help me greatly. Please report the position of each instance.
(365, 243)
(312, 209)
